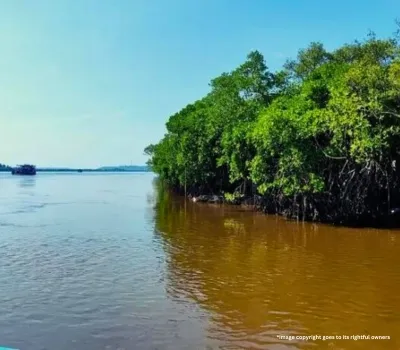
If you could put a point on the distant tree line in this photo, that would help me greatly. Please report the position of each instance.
(4, 167)
(122, 168)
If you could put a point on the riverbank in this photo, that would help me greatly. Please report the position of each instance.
(259, 203)
(317, 140)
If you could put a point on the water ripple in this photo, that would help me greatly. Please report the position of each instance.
(117, 266)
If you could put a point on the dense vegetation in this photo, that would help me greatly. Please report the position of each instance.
(318, 140)
(4, 167)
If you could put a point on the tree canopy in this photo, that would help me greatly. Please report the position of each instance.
(319, 139)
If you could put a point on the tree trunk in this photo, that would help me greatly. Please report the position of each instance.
(304, 207)
(185, 182)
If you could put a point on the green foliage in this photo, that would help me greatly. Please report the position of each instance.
(326, 126)
(232, 197)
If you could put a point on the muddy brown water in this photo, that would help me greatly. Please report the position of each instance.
(109, 261)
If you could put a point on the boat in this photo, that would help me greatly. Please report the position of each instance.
(25, 169)
(79, 171)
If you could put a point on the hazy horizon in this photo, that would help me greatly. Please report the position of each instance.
(67, 167)
(87, 84)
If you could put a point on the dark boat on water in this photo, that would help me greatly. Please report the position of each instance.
(25, 169)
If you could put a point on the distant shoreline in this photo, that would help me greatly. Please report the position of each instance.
(100, 170)
(84, 171)
(92, 171)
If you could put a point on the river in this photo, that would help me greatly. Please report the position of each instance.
(110, 261)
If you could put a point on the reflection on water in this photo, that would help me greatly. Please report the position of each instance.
(260, 276)
(106, 261)
(26, 181)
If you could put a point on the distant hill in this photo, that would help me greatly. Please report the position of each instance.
(124, 168)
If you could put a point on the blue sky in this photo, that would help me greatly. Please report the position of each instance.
(87, 83)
